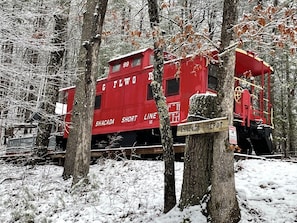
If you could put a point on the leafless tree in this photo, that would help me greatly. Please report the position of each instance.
(53, 82)
(77, 159)
(160, 99)
(223, 206)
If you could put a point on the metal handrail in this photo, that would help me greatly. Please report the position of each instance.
(245, 81)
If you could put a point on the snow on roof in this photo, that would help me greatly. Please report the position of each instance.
(67, 88)
(24, 125)
(129, 54)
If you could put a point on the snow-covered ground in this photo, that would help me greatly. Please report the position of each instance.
(132, 191)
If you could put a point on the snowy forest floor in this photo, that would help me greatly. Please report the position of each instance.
(132, 191)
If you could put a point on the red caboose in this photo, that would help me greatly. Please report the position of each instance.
(124, 104)
(253, 115)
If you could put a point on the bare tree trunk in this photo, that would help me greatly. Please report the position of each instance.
(290, 96)
(53, 82)
(223, 205)
(283, 121)
(160, 99)
(198, 154)
(7, 51)
(77, 158)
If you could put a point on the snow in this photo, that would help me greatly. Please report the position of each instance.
(132, 191)
(267, 191)
(128, 55)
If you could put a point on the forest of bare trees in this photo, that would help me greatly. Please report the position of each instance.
(28, 30)
(47, 45)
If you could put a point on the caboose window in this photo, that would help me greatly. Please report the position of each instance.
(149, 95)
(172, 87)
(212, 82)
(98, 102)
(136, 62)
(212, 76)
(116, 67)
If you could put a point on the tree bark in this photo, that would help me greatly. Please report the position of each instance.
(198, 153)
(163, 112)
(290, 95)
(223, 205)
(53, 83)
(77, 159)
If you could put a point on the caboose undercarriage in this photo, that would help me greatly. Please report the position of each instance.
(256, 138)
(143, 137)
(146, 138)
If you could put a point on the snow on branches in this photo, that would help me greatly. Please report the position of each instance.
(272, 26)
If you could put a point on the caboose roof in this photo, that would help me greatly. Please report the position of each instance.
(246, 61)
(67, 88)
(132, 54)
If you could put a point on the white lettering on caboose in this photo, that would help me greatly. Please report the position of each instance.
(103, 87)
(150, 76)
(131, 118)
(124, 82)
(104, 122)
(149, 116)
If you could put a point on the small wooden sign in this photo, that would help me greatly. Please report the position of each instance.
(204, 126)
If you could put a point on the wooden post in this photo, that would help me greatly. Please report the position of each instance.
(198, 152)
